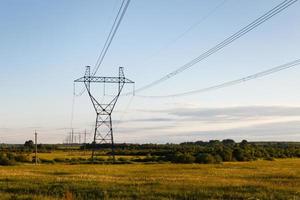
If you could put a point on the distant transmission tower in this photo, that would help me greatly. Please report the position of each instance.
(103, 128)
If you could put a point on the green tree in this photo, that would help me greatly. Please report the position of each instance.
(226, 154)
(29, 144)
(184, 158)
(228, 142)
(241, 154)
(205, 158)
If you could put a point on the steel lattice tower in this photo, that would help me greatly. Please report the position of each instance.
(103, 133)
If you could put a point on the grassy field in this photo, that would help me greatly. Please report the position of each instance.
(76, 155)
(65, 154)
(278, 179)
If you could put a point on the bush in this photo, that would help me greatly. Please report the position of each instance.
(47, 161)
(184, 158)
(59, 160)
(205, 158)
(241, 155)
(10, 156)
(22, 158)
(29, 144)
(4, 160)
(226, 154)
(122, 159)
(218, 159)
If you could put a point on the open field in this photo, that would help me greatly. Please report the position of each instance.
(278, 179)
(74, 156)
(64, 154)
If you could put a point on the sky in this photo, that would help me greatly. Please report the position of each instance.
(45, 46)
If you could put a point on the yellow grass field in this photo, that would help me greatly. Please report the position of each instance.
(278, 179)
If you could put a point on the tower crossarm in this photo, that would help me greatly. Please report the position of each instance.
(102, 79)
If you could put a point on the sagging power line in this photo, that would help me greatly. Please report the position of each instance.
(112, 33)
(117, 21)
(274, 11)
(190, 28)
(231, 83)
(104, 111)
(103, 132)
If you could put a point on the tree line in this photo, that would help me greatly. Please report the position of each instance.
(213, 151)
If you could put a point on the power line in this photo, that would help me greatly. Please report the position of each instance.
(113, 30)
(110, 37)
(190, 28)
(124, 112)
(231, 83)
(277, 9)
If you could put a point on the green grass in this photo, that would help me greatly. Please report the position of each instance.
(278, 179)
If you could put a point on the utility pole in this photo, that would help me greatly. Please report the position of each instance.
(85, 136)
(84, 145)
(35, 139)
(103, 133)
(69, 139)
(72, 137)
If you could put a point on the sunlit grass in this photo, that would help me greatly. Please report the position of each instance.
(239, 180)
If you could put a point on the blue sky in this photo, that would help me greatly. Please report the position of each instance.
(46, 44)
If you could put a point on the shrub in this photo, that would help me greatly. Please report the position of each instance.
(226, 154)
(122, 159)
(4, 160)
(22, 158)
(218, 159)
(184, 158)
(228, 142)
(241, 155)
(205, 158)
(10, 156)
(59, 160)
(29, 144)
(47, 161)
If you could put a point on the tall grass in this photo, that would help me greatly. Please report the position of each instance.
(248, 180)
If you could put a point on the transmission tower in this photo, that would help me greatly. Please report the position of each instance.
(103, 133)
